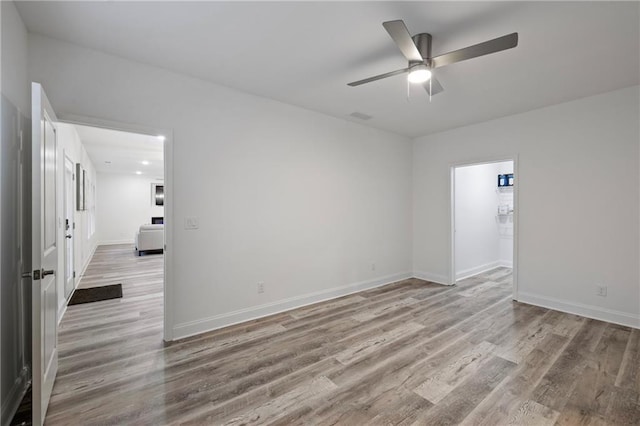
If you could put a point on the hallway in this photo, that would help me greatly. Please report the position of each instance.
(96, 341)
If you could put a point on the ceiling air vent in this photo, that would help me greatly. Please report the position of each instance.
(360, 115)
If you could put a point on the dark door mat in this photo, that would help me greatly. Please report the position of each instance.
(23, 415)
(96, 294)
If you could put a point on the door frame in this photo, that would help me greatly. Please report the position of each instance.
(65, 160)
(168, 296)
(452, 214)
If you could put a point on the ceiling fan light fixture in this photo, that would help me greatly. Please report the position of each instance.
(419, 74)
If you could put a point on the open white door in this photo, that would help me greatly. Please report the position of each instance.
(45, 252)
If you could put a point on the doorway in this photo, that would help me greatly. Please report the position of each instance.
(483, 219)
(161, 173)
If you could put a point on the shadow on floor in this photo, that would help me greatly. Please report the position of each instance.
(23, 415)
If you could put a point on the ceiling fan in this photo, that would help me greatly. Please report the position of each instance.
(417, 50)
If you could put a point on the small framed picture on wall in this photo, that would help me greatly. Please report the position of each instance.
(157, 194)
(81, 176)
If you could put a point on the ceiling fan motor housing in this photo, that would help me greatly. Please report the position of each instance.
(423, 43)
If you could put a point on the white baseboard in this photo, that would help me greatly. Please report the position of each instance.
(85, 266)
(434, 278)
(11, 401)
(76, 284)
(114, 242)
(470, 272)
(191, 328)
(589, 311)
(63, 310)
(505, 264)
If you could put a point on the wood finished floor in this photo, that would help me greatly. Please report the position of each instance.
(408, 353)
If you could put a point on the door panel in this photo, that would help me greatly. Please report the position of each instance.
(69, 280)
(49, 204)
(44, 252)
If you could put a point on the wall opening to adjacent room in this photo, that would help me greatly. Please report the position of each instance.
(483, 231)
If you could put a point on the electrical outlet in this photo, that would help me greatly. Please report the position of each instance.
(601, 290)
(191, 223)
(260, 287)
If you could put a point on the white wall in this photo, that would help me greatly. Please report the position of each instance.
(85, 242)
(15, 83)
(124, 203)
(571, 235)
(15, 355)
(296, 199)
(478, 239)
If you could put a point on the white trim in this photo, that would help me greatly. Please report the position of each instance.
(470, 272)
(169, 298)
(434, 278)
(11, 401)
(191, 328)
(516, 225)
(115, 242)
(589, 311)
(452, 226)
(84, 267)
(63, 308)
(505, 264)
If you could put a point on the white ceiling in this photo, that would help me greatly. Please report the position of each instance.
(113, 151)
(304, 53)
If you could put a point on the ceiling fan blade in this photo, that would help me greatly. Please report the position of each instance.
(400, 34)
(435, 86)
(496, 45)
(378, 77)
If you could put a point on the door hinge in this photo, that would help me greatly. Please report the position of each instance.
(74, 274)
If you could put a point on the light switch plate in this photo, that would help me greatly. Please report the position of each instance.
(601, 290)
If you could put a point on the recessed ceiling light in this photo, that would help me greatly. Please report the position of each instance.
(138, 172)
(145, 162)
(361, 116)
